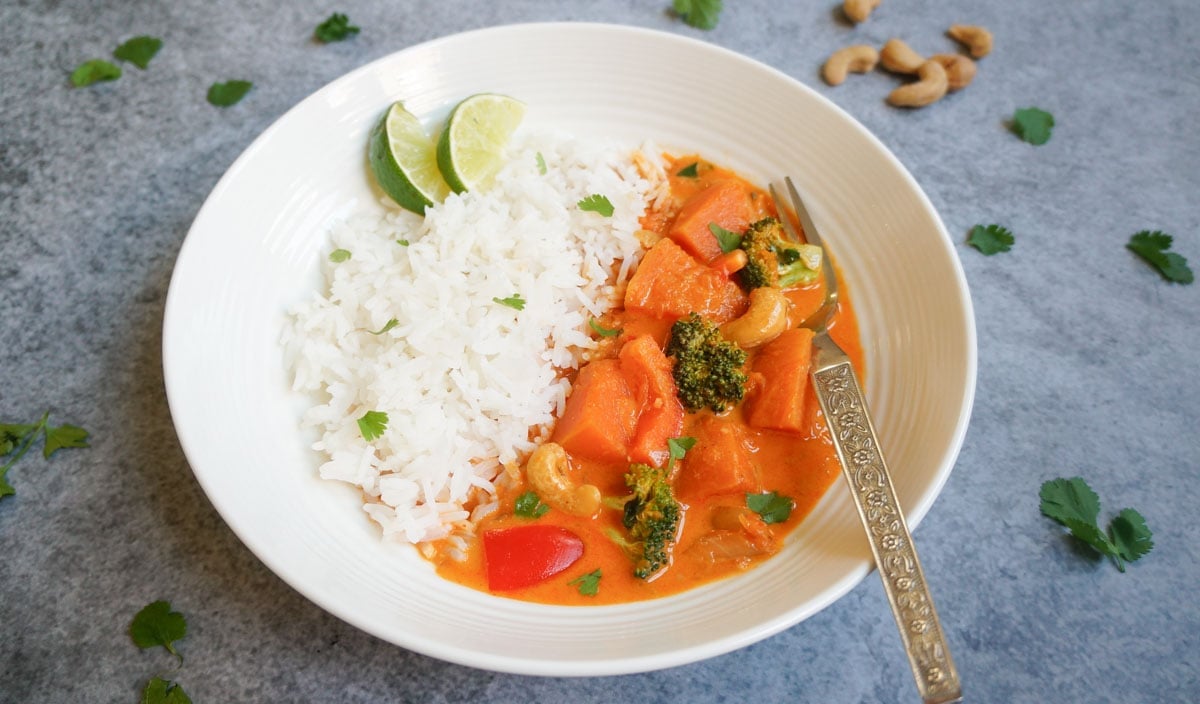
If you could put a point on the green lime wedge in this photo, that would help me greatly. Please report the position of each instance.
(471, 148)
(404, 161)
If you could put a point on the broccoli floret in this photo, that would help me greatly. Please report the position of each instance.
(652, 516)
(774, 260)
(707, 367)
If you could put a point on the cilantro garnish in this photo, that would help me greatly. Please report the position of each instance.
(335, 29)
(372, 424)
(138, 51)
(229, 93)
(1072, 503)
(1033, 125)
(772, 507)
(589, 584)
(728, 240)
(597, 203)
(160, 691)
(689, 171)
(601, 330)
(677, 448)
(541, 164)
(403, 243)
(16, 439)
(386, 326)
(701, 14)
(157, 624)
(94, 71)
(990, 239)
(1152, 247)
(529, 505)
(338, 256)
(514, 301)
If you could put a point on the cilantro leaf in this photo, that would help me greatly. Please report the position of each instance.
(138, 51)
(1152, 247)
(391, 323)
(541, 164)
(589, 584)
(94, 71)
(403, 243)
(157, 624)
(701, 14)
(772, 507)
(727, 240)
(1072, 503)
(677, 448)
(990, 239)
(160, 691)
(229, 93)
(338, 256)
(597, 203)
(63, 436)
(1033, 125)
(601, 330)
(372, 425)
(689, 171)
(336, 28)
(514, 301)
(529, 505)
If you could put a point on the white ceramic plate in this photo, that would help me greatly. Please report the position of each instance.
(255, 247)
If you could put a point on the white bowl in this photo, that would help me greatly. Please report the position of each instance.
(254, 251)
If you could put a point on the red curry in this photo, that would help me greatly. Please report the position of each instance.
(622, 409)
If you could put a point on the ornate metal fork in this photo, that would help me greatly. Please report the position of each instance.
(845, 408)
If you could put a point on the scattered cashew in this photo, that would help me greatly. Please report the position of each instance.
(898, 57)
(959, 69)
(546, 472)
(858, 10)
(930, 86)
(859, 59)
(763, 321)
(977, 39)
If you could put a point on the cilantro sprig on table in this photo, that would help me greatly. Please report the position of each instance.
(138, 51)
(17, 438)
(335, 29)
(1072, 503)
(94, 71)
(228, 93)
(990, 239)
(1152, 248)
(701, 14)
(157, 625)
(1033, 125)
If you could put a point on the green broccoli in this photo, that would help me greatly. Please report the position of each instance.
(652, 516)
(707, 367)
(774, 260)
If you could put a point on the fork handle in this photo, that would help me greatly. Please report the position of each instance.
(853, 435)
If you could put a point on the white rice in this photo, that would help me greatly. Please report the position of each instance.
(468, 384)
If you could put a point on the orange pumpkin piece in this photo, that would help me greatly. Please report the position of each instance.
(778, 401)
(648, 373)
(601, 414)
(719, 463)
(670, 283)
(725, 203)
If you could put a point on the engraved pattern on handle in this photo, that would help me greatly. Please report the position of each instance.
(863, 465)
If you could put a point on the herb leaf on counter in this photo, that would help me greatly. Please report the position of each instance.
(160, 691)
(1033, 125)
(1152, 247)
(17, 438)
(1072, 503)
(157, 624)
(229, 93)
(94, 71)
(334, 29)
(701, 14)
(138, 51)
(990, 239)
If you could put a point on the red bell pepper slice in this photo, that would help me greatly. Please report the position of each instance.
(526, 555)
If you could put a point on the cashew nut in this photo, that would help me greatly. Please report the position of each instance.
(763, 321)
(959, 69)
(930, 86)
(546, 472)
(858, 10)
(898, 57)
(977, 39)
(859, 59)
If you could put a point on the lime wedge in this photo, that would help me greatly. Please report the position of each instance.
(471, 148)
(404, 161)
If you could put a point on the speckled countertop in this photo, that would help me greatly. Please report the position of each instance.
(1088, 361)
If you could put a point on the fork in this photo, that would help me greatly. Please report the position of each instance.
(845, 408)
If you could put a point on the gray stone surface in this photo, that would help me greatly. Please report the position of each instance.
(1088, 360)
